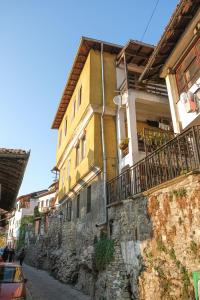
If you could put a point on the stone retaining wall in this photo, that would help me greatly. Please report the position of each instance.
(156, 237)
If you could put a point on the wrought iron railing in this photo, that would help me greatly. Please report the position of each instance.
(178, 156)
(149, 139)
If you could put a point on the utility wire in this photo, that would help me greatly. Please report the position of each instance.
(153, 12)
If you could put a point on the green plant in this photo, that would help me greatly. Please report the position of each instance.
(103, 252)
(22, 230)
(182, 192)
(172, 254)
(186, 281)
(160, 271)
(36, 212)
(161, 246)
(178, 263)
(194, 247)
(124, 143)
(183, 172)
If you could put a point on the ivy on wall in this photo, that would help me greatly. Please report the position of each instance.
(103, 252)
(22, 230)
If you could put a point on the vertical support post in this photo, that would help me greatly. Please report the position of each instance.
(126, 72)
(132, 128)
(120, 132)
(173, 94)
(196, 150)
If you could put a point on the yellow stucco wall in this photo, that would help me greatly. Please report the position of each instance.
(90, 80)
(83, 81)
(109, 75)
(76, 172)
(110, 145)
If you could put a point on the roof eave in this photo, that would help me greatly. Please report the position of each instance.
(57, 120)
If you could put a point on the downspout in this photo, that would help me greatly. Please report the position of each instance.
(103, 139)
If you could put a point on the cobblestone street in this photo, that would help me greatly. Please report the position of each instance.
(41, 286)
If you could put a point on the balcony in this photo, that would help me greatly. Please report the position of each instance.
(178, 156)
(150, 139)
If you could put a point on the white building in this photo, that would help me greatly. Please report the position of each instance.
(24, 207)
(46, 200)
(143, 110)
(177, 59)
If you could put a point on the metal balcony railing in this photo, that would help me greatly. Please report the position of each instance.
(178, 156)
(149, 139)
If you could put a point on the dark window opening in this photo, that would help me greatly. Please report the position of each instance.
(89, 199)
(78, 206)
(69, 210)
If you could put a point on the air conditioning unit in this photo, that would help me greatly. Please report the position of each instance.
(189, 101)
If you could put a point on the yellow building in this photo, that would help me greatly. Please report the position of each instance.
(85, 119)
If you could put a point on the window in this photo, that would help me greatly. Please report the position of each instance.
(74, 109)
(60, 138)
(189, 70)
(89, 199)
(63, 177)
(79, 97)
(83, 154)
(69, 210)
(77, 154)
(10, 274)
(78, 206)
(65, 126)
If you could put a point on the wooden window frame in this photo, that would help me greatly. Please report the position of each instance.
(183, 83)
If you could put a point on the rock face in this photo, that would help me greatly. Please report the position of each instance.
(173, 252)
(156, 239)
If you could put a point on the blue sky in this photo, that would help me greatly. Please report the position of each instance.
(39, 39)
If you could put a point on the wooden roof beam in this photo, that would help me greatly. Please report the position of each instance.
(139, 55)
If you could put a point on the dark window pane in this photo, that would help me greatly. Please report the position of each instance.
(78, 206)
(89, 199)
(10, 274)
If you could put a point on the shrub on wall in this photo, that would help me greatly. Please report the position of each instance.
(22, 230)
(36, 212)
(103, 252)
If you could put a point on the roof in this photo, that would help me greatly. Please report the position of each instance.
(27, 197)
(136, 52)
(12, 167)
(183, 14)
(86, 44)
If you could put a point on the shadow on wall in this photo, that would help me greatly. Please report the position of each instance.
(130, 225)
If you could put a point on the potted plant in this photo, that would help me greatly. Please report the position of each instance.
(123, 144)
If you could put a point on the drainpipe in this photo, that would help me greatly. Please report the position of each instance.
(103, 140)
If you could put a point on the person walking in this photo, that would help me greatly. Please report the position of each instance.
(5, 254)
(21, 256)
(11, 255)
